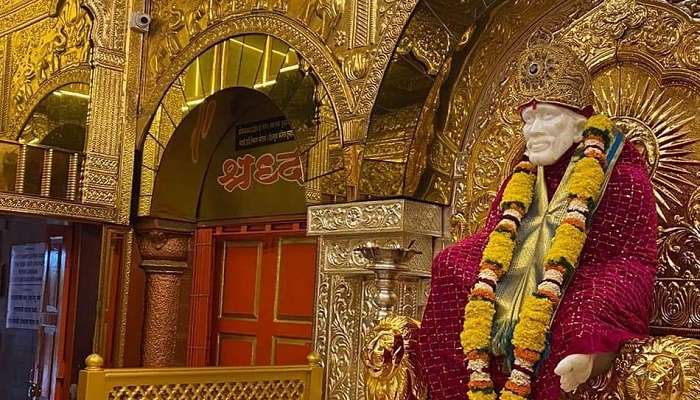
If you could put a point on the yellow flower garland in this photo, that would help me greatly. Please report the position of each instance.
(531, 330)
(477, 333)
(587, 179)
(520, 189)
(530, 333)
(567, 243)
(499, 249)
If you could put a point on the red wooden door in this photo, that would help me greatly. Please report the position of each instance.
(264, 309)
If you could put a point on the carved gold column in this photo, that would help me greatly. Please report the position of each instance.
(164, 254)
(101, 172)
(319, 154)
(347, 291)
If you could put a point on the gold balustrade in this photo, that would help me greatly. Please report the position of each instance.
(302, 382)
(38, 170)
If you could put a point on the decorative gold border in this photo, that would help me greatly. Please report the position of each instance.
(375, 216)
(77, 74)
(26, 13)
(17, 203)
(124, 298)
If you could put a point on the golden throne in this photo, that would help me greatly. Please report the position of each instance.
(644, 57)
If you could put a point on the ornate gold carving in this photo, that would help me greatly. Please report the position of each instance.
(100, 179)
(552, 73)
(124, 298)
(363, 23)
(659, 368)
(20, 115)
(376, 216)
(328, 12)
(427, 39)
(354, 64)
(352, 160)
(424, 135)
(310, 47)
(676, 305)
(382, 178)
(392, 367)
(346, 309)
(47, 48)
(393, 17)
(342, 337)
(692, 7)
(47, 207)
(15, 14)
(355, 217)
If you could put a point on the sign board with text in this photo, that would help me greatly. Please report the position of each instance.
(26, 286)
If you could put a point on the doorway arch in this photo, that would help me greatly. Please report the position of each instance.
(268, 65)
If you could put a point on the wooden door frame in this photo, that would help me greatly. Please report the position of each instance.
(203, 293)
(67, 309)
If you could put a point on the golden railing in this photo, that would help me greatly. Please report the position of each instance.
(40, 170)
(303, 382)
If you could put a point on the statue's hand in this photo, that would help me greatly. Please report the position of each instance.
(574, 370)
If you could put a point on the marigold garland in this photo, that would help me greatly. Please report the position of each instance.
(590, 176)
(530, 334)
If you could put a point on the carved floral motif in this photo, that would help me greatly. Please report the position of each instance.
(46, 49)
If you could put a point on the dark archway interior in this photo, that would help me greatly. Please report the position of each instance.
(196, 181)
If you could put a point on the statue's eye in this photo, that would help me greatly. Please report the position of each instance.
(547, 115)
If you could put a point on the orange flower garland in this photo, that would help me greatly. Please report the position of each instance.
(530, 334)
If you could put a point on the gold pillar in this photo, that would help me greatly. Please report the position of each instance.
(319, 159)
(164, 252)
(108, 151)
(346, 290)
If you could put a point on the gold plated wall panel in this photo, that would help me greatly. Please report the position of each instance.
(42, 57)
(346, 44)
(15, 14)
(346, 310)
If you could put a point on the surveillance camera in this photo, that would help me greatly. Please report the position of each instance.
(140, 22)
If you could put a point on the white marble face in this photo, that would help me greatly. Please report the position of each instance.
(550, 130)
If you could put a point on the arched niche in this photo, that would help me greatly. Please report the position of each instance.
(44, 56)
(176, 43)
(403, 123)
(234, 155)
(267, 65)
(45, 158)
(59, 120)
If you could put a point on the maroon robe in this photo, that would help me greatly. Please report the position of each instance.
(607, 302)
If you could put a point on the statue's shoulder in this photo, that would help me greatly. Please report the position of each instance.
(463, 255)
(631, 167)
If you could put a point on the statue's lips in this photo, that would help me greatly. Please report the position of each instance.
(538, 145)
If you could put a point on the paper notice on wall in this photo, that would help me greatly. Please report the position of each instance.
(26, 286)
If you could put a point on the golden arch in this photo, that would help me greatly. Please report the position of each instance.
(298, 37)
(77, 74)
